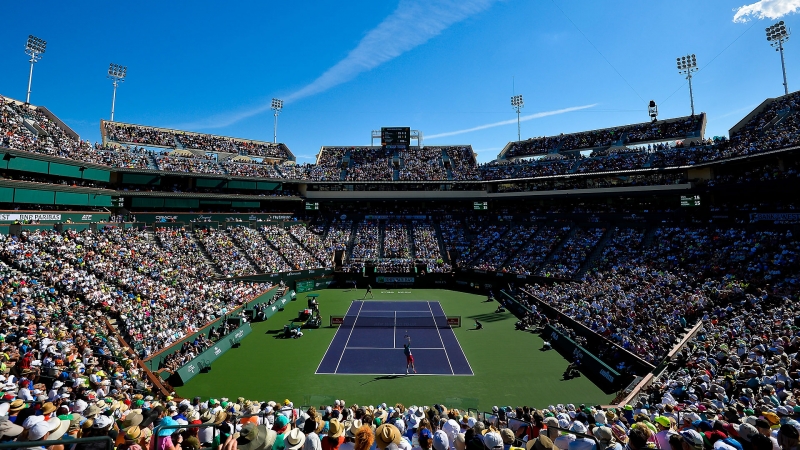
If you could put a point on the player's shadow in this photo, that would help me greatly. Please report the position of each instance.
(384, 377)
(490, 317)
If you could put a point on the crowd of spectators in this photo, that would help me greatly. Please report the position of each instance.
(243, 169)
(395, 240)
(573, 254)
(258, 249)
(462, 163)
(188, 164)
(529, 258)
(135, 134)
(138, 135)
(187, 352)
(311, 237)
(338, 236)
(422, 164)
(370, 164)
(366, 244)
(291, 249)
(229, 258)
(426, 246)
(157, 295)
(497, 254)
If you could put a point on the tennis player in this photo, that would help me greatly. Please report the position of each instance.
(409, 356)
(369, 291)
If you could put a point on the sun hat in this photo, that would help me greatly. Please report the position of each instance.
(61, 427)
(507, 435)
(166, 421)
(603, 433)
(492, 440)
(38, 431)
(295, 439)
(693, 438)
(16, 405)
(663, 421)
(30, 421)
(541, 443)
(255, 437)
(387, 434)
(440, 441)
(48, 408)
(745, 430)
(133, 433)
(9, 428)
(335, 428)
(353, 429)
(101, 422)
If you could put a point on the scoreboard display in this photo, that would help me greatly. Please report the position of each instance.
(690, 201)
(480, 206)
(396, 137)
(312, 206)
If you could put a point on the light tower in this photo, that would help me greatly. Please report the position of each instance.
(776, 35)
(34, 48)
(117, 74)
(688, 65)
(517, 103)
(277, 106)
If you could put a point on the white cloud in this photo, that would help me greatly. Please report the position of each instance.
(412, 24)
(538, 115)
(766, 9)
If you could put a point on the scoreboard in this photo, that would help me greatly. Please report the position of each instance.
(395, 137)
(690, 201)
(480, 206)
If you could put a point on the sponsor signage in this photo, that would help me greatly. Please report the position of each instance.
(775, 217)
(598, 371)
(15, 216)
(222, 217)
(406, 280)
(203, 360)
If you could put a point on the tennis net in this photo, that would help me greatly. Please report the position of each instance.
(373, 319)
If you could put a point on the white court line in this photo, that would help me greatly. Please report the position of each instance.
(394, 348)
(459, 343)
(394, 331)
(349, 336)
(334, 338)
(404, 374)
(452, 372)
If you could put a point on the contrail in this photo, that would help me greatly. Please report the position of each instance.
(412, 24)
(538, 115)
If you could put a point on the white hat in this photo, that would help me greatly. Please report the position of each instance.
(38, 431)
(102, 421)
(30, 421)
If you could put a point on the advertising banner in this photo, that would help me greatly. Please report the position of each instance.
(52, 217)
(204, 360)
(607, 378)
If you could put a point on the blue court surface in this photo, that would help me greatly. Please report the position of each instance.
(370, 342)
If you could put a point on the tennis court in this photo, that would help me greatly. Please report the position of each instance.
(370, 341)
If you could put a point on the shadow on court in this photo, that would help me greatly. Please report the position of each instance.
(384, 377)
(488, 317)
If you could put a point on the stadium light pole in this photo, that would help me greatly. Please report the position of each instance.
(34, 48)
(277, 106)
(688, 65)
(117, 74)
(776, 35)
(517, 103)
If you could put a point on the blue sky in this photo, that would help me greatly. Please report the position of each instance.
(438, 66)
